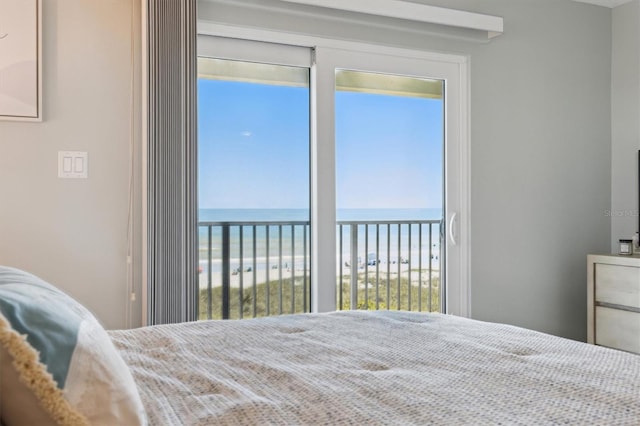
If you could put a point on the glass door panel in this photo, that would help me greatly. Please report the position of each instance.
(253, 184)
(390, 144)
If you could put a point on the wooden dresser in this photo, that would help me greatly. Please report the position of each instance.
(613, 301)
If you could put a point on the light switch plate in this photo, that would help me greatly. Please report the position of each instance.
(73, 164)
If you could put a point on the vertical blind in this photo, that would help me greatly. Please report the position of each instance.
(172, 246)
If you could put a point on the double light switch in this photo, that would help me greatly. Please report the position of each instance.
(72, 164)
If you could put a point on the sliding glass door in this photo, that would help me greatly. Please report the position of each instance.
(389, 190)
(329, 179)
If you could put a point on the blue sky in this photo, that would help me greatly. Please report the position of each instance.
(388, 151)
(254, 148)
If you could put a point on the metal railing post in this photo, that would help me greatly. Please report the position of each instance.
(255, 273)
(241, 274)
(430, 267)
(341, 262)
(267, 293)
(399, 260)
(280, 270)
(366, 266)
(388, 266)
(226, 271)
(420, 268)
(409, 269)
(354, 266)
(209, 273)
(293, 269)
(377, 266)
(304, 269)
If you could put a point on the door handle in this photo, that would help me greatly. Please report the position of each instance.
(452, 229)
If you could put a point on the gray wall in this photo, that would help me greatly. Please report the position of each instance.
(541, 152)
(625, 123)
(73, 232)
(540, 137)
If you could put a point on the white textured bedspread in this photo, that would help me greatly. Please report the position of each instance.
(368, 368)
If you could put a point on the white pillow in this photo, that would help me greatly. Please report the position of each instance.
(57, 364)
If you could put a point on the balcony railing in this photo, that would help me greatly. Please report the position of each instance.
(397, 265)
(255, 269)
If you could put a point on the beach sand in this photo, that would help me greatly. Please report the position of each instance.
(260, 276)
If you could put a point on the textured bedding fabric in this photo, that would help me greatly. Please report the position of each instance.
(356, 368)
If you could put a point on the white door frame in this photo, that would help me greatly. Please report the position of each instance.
(457, 213)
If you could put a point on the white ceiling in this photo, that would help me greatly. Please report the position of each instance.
(606, 3)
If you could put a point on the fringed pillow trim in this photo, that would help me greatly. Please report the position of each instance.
(34, 375)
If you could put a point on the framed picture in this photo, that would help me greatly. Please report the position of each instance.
(21, 60)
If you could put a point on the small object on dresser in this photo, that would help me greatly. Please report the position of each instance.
(625, 247)
(636, 243)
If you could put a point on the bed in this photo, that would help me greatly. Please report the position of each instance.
(353, 367)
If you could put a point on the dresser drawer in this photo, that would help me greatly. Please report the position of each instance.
(617, 284)
(617, 329)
